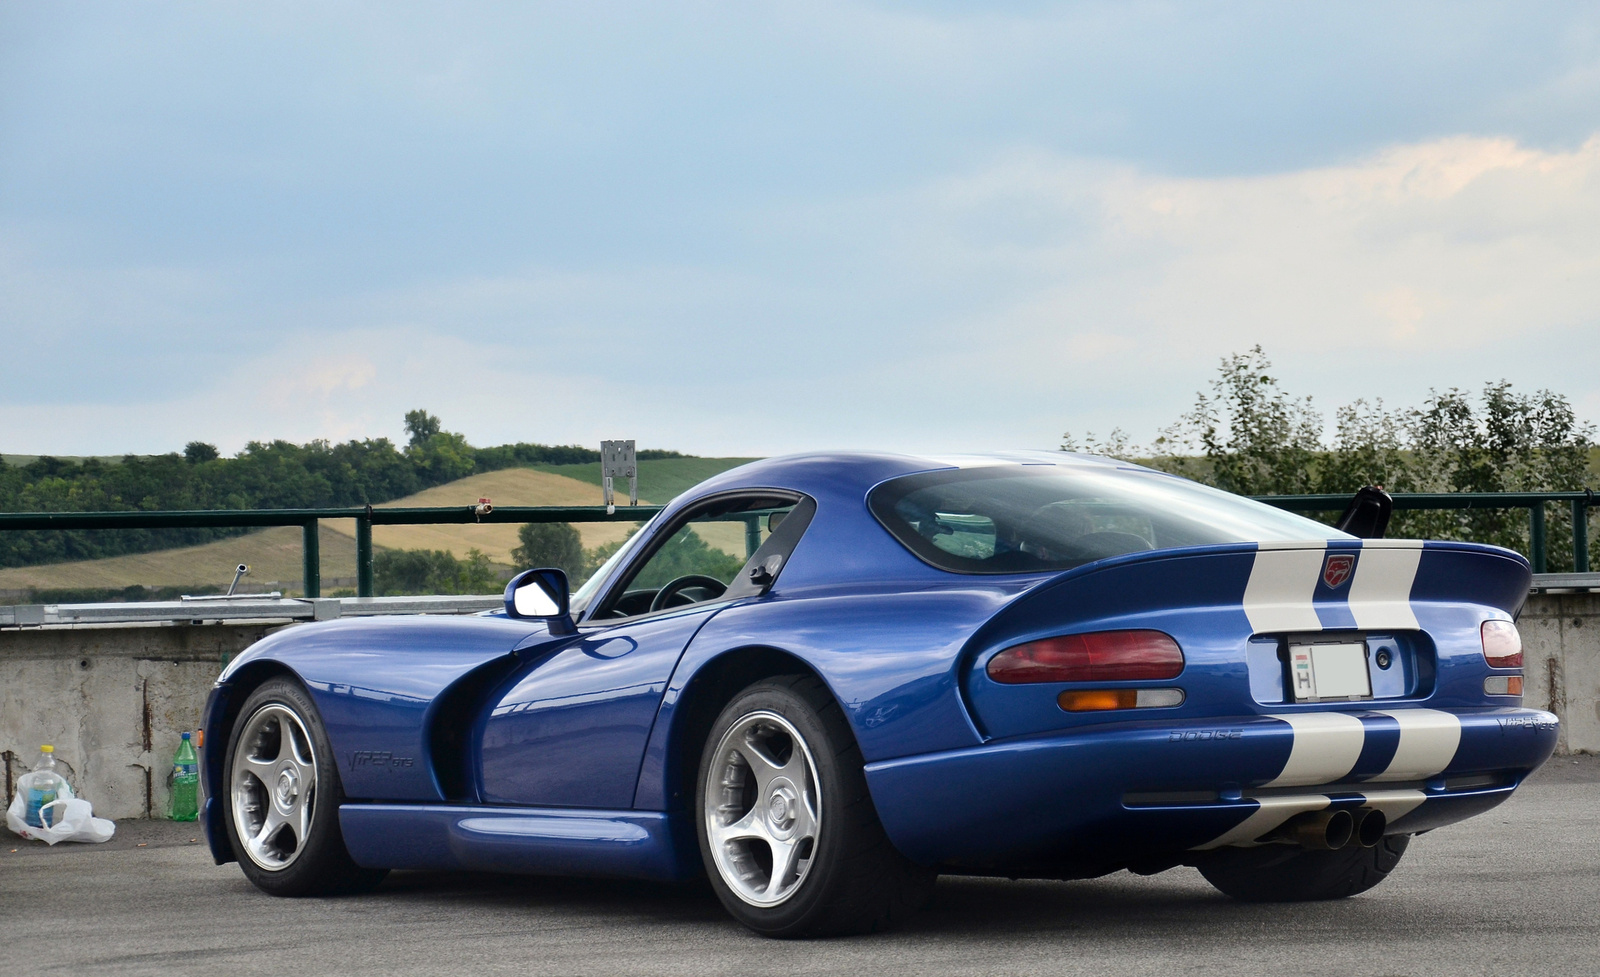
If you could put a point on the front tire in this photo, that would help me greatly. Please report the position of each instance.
(284, 795)
(1278, 873)
(788, 833)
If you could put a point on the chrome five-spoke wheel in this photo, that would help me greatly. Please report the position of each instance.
(274, 786)
(763, 808)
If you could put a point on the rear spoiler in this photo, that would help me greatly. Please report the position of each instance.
(1367, 515)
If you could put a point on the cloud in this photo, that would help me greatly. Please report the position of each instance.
(990, 308)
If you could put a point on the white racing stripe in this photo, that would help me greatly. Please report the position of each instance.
(1380, 593)
(1272, 812)
(1326, 746)
(1428, 742)
(1282, 580)
(1395, 804)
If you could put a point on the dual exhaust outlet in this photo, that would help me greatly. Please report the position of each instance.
(1332, 830)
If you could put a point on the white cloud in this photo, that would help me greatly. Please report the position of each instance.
(993, 308)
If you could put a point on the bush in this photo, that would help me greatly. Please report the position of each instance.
(411, 572)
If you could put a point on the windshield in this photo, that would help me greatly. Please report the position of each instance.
(580, 600)
(1037, 518)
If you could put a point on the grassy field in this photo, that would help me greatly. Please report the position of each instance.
(511, 486)
(273, 556)
(661, 480)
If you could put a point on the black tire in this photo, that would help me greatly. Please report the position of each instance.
(855, 881)
(319, 865)
(1280, 873)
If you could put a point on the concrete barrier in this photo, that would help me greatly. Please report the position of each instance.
(114, 699)
(1561, 664)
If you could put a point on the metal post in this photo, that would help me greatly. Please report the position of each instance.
(1580, 536)
(1536, 536)
(311, 556)
(364, 554)
(752, 535)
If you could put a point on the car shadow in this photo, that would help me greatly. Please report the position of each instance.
(1122, 904)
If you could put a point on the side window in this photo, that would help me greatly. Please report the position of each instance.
(705, 556)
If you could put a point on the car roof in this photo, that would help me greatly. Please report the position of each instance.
(852, 473)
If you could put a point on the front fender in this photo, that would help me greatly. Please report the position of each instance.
(378, 684)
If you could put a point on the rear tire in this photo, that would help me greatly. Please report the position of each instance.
(791, 842)
(1279, 873)
(283, 797)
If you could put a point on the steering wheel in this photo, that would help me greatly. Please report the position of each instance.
(678, 586)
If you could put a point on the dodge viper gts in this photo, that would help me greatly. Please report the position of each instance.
(823, 680)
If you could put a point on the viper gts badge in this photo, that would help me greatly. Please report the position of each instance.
(1337, 570)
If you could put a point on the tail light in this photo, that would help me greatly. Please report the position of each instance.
(1502, 645)
(1104, 656)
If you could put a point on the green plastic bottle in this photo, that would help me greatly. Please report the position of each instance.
(185, 783)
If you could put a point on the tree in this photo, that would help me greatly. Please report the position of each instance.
(551, 544)
(1251, 437)
(198, 452)
(421, 426)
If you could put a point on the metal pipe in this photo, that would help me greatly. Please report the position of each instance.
(752, 535)
(311, 559)
(1580, 535)
(1536, 541)
(364, 553)
(1370, 825)
(1316, 830)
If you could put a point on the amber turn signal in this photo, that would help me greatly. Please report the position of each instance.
(1093, 700)
(1096, 700)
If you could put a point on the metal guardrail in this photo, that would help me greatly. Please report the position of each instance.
(289, 610)
(1534, 502)
(368, 516)
(284, 609)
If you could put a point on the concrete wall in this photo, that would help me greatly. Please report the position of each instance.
(1561, 662)
(113, 700)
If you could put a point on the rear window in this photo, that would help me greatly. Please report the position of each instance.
(1028, 519)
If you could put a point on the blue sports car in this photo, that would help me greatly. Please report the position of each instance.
(823, 680)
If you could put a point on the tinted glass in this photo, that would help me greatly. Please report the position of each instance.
(1011, 520)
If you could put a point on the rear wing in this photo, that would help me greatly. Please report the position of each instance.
(1299, 586)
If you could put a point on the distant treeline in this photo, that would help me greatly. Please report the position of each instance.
(270, 475)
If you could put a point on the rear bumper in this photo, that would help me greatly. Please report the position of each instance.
(1133, 793)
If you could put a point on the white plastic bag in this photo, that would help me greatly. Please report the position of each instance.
(70, 819)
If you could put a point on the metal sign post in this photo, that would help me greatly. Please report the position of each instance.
(617, 460)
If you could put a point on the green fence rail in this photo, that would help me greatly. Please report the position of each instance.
(309, 520)
(368, 516)
(1534, 502)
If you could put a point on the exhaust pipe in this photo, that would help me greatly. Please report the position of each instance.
(1370, 825)
(1317, 830)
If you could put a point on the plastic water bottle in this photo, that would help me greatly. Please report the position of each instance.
(185, 783)
(42, 786)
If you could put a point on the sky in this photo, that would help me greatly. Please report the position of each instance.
(750, 228)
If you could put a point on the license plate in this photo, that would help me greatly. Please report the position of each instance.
(1318, 673)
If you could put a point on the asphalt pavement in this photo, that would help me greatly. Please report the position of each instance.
(1514, 891)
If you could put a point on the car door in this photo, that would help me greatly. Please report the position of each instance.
(569, 729)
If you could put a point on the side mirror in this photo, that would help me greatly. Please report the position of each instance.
(541, 595)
